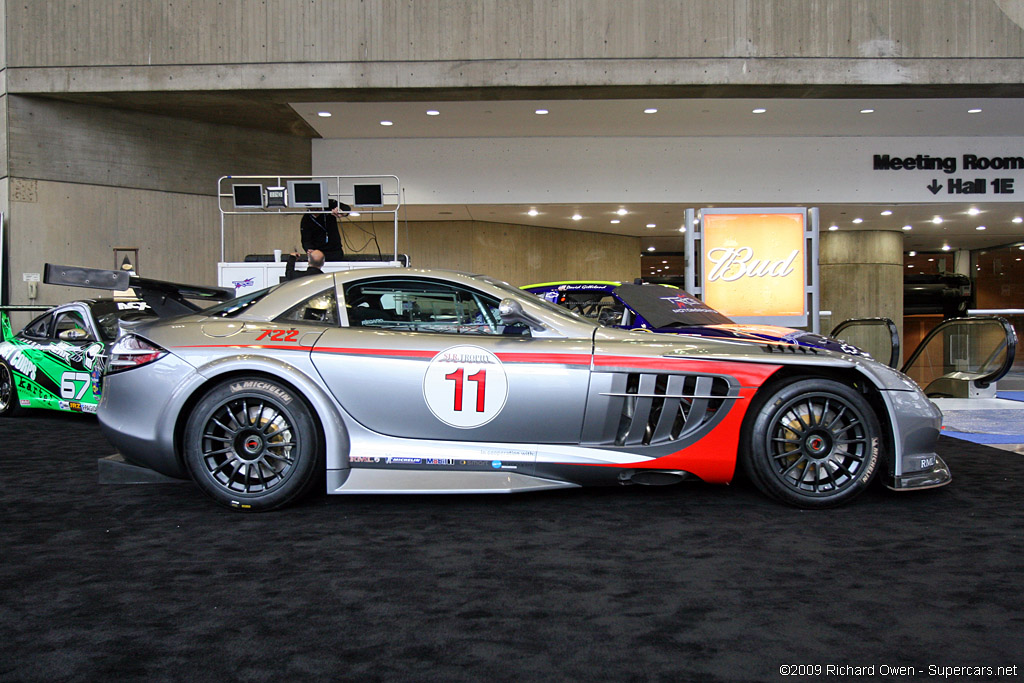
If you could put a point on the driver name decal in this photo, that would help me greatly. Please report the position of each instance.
(465, 386)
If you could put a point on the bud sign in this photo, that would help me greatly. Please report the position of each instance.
(754, 264)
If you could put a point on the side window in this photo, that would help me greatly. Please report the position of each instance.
(605, 309)
(39, 328)
(422, 306)
(69, 320)
(321, 309)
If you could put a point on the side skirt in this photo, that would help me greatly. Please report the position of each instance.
(362, 480)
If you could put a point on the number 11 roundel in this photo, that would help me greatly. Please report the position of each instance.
(465, 386)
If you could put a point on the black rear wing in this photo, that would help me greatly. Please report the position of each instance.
(165, 298)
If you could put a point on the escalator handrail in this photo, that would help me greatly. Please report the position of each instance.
(995, 375)
(894, 334)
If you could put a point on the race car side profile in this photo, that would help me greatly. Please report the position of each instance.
(666, 308)
(402, 380)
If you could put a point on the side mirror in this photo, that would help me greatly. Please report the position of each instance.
(74, 335)
(511, 312)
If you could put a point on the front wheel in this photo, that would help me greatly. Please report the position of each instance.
(253, 444)
(813, 443)
(8, 392)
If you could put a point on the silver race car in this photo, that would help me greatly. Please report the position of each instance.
(416, 381)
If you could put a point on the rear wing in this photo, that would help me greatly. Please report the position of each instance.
(165, 298)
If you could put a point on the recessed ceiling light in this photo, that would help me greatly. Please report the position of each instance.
(973, 111)
(650, 110)
(650, 248)
(974, 211)
(682, 229)
(664, 261)
(937, 220)
(867, 111)
(324, 114)
(433, 112)
(908, 227)
(945, 247)
(887, 212)
(622, 212)
(911, 253)
(541, 111)
(858, 220)
(910, 265)
(1021, 247)
(652, 225)
(759, 110)
(576, 217)
(980, 227)
(1018, 219)
(833, 227)
(616, 221)
(532, 212)
(931, 260)
(387, 123)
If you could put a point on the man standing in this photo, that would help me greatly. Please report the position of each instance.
(320, 231)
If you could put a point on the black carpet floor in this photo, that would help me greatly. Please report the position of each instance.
(693, 582)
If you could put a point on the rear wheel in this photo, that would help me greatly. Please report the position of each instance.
(8, 392)
(253, 444)
(813, 443)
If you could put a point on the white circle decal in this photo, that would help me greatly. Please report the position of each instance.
(465, 386)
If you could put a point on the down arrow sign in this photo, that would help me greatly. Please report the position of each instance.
(935, 186)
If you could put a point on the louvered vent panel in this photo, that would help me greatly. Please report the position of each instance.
(660, 408)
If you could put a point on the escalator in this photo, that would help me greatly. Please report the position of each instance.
(963, 357)
(960, 358)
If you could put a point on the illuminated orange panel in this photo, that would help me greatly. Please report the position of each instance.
(754, 264)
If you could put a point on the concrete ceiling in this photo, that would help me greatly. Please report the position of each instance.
(908, 117)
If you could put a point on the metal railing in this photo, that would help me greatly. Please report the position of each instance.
(884, 347)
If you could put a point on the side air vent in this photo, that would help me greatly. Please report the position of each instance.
(642, 409)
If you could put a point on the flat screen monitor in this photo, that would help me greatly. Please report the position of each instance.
(368, 195)
(308, 194)
(247, 196)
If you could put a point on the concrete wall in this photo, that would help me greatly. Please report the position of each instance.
(101, 33)
(862, 275)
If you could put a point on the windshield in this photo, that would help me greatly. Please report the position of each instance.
(665, 307)
(231, 308)
(518, 294)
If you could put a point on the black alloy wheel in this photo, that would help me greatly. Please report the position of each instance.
(8, 391)
(252, 444)
(812, 443)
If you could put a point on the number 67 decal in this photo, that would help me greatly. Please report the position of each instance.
(465, 386)
(68, 387)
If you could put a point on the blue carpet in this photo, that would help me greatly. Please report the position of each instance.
(1011, 395)
(997, 422)
(984, 438)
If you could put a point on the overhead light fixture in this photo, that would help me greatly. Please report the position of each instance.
(908, 227)
(324, 114)
(910, 265)
(945, 247)
(433, 112)
(577, 217)
(387, 123)
(858, 221)
(887, 212)
(973, 211)
(650, 110)
(615, 221)
(1018, 219)
(541, 111)
(532, 212)
(622, 212)
(973, 111)
(652, 225)
(981, 227)
(833, 227)
(650, 248)
(759, 110)
(682, 229)
(937, 220)
(911, 253)
(867, 111)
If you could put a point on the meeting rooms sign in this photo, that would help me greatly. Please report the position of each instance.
(966, 174)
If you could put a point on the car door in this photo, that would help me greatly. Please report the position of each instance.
(430, 359)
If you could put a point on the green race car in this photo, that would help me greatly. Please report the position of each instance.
(50, 363)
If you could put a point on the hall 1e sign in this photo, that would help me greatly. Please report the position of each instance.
(950, 165)
(754, 264)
